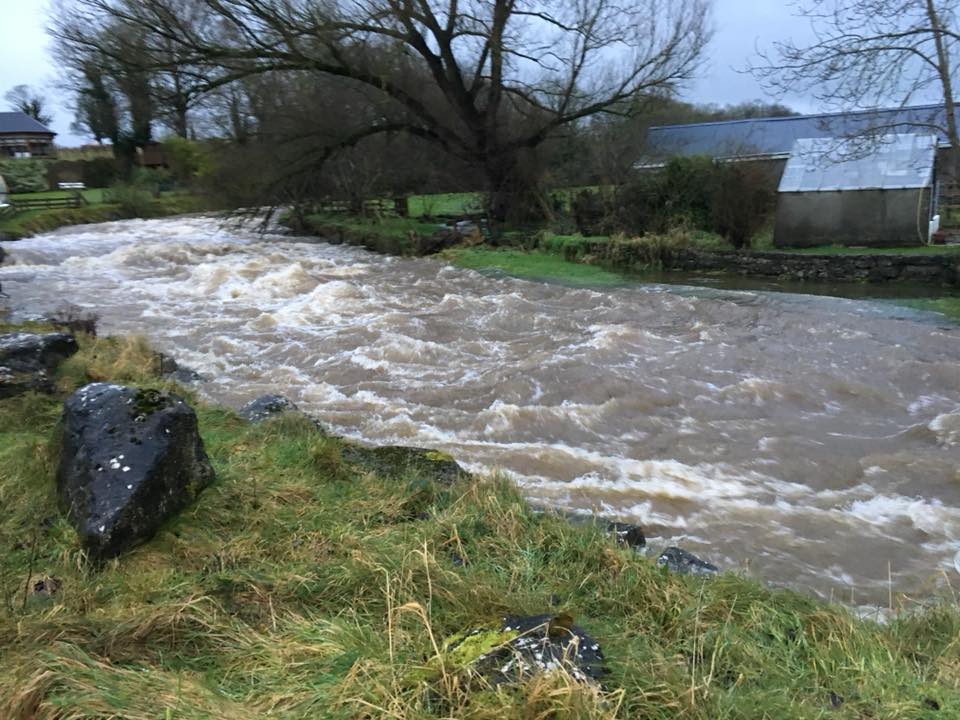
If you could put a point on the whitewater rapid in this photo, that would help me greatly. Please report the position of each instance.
(813, 441)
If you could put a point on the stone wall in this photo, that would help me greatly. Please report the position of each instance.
(932, 269)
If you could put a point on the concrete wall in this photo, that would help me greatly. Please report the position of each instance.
(874, 218)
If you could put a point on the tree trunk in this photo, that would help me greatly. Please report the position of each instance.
(514, 193)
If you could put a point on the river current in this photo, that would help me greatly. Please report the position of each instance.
(812, 441)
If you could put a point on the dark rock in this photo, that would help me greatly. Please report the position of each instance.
(169, 367)
(685, 563)
(27, 359)
(439, 240)
(522, 646)
(627, 534)
(130, 459)
(835, 700)
(396, 461)
(265, 407)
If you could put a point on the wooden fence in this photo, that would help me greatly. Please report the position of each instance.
(72, 201)
(377, 206)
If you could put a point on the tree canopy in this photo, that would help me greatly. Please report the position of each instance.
(487, 81)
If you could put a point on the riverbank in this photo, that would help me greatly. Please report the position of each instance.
(301, 584)
(605, 261)
(33, 222)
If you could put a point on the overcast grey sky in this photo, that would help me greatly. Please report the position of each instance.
(740, 25)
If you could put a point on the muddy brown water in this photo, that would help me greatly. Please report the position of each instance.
(812, 441)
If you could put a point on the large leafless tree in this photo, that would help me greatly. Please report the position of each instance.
(485, 80)
(872, 53)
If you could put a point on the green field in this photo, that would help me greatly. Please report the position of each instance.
(91, 195)
(533, 265)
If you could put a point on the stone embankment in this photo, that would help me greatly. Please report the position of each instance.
(868, 267)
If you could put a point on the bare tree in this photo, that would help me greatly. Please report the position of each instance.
(486, 80)
(870, 53)
(29, 101)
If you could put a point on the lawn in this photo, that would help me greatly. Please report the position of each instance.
(91, 195)
(533, 265)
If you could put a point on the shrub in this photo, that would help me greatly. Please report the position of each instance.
(741, 200)
(24, 176)
(100, 172)
(131, 200)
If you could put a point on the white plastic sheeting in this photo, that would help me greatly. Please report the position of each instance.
(890, 162)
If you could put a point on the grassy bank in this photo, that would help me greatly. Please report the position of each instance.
(302, 586)
(535, 265)
(32, 222)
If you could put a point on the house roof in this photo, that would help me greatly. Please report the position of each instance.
(893, 162)
(774, 137)
(18, 122)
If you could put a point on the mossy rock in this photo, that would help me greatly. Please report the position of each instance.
(397, 461)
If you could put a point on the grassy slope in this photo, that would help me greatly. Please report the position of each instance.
(298, 587)
(31, 222)
(534, 265)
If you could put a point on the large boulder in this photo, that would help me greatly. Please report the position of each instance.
(28, 359)
(130, 459)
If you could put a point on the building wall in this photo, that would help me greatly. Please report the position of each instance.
(873, 218)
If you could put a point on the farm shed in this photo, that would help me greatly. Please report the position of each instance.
(836, 192)
(859, 145)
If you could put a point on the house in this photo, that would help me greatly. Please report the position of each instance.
(873, 177)
(22, 136)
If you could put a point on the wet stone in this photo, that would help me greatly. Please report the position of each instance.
(685, 563)
(627, 534)
(130, 460)
(265, 407)
(523, 646)
(397, 461)
(27, 360)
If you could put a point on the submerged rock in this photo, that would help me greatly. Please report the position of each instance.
(169, 367)
(522, 646)
(685, 563)
(130, 459)
(627, 534)
(27, 359)
(397, 461)
(265, 407)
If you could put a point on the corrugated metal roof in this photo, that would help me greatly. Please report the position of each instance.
(894, 162)
(18, 122)
(775, 136)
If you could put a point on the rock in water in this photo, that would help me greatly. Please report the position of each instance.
(685, 563)
(265, 407)
(130, 459)
(627, 534)
(27, 359)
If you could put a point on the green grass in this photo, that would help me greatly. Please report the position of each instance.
(31, 222)
(302, 586)
(947, 306)
(533, 265)
(445, 204)
(91, 195)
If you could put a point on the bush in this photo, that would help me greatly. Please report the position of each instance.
(24, 176)
(131, 200)
(189, 160)
(731, 199)
(741, 199)
(99, 172)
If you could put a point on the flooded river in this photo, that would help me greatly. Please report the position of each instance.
(814, 441)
